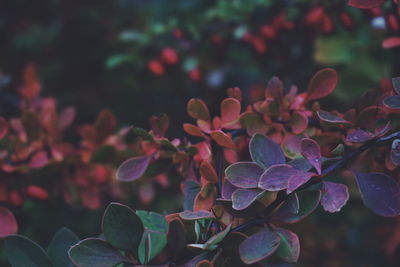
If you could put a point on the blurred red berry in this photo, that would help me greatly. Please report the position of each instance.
(393, 22)
(169, 56)
(37, 192)
(268, 32)
(314, 16)
(327, 24)
(195, 75)
(259, 45)
(346, 20)
(15, 198)
(217, 39)
(177, 33)
(156, 67)
(247, 37)
(376, 11)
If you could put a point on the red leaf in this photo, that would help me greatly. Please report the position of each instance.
(391, 42)
(208, 172)
(8, 223)
(223, 139)
(365, 3)
(322, 84)
(230, 111)
(312, 152)
(198, 110)
(298, 122)
(192, 130)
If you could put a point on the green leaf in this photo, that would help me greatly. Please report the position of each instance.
(289, 248)
(21, 251)
(216, 239)
(93, 252)
(122, 227)
(154, 238)
(62, 241)
(258, 246)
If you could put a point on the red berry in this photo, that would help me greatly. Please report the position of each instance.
(259, 45)
(346, 20)
(314, 16)
(195, 75)
(15, 198)
(393, 22)
(268, 32)
(169, 56)
(37, 192)
(327, 25)
(156, 67)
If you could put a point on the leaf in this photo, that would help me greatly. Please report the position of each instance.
(132, 168)
(243, 198)
(121, 227)
(328, 117)
(206, 197)
(196, 215)
(307, 202)
(92, 252)
(216, 239)
(3, 127)
(379, 192)
(298, 180)
(322, 84)
(204, 263)
(8, 223)
(258, 246)
(155, 236)
(223, 139)
(192, 130)
(32, 125)
(198, 110)
(298, 122)
(396, 84)
(105, 125)
(289, 247)
(190, 190)
(365, 3)
(244, 174)
(176, 237)
(208, 172)
(395, 152)
(359, 136)
(253, 123)
(265, 152)
(276, 177)
(230, 110)
(22, 251)
(334, 196)
(391, 42)
(227, 189)
(274, 89)
(392, 101)
(312, 152)
(58, 248)
(300, 164)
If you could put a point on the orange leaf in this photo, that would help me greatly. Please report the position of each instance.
(223, 139)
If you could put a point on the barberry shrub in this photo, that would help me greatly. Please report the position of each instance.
(249, 175)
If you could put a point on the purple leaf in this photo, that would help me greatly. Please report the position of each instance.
(312, 152)
(195, 215)
(276, 177)
(298, 180)
(244, 174)
(396, 84)
(133, 168)
(392, 101)
(289, 247)
(380, 193)
(227, 189)
(395, 152)
(307, 200)
(359, 136)
(258, 246)
(334, 196)
(242, 198)
(265, 152)
(328, 117)
(300, 164)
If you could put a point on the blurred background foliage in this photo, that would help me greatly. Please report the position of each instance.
(108, 54)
